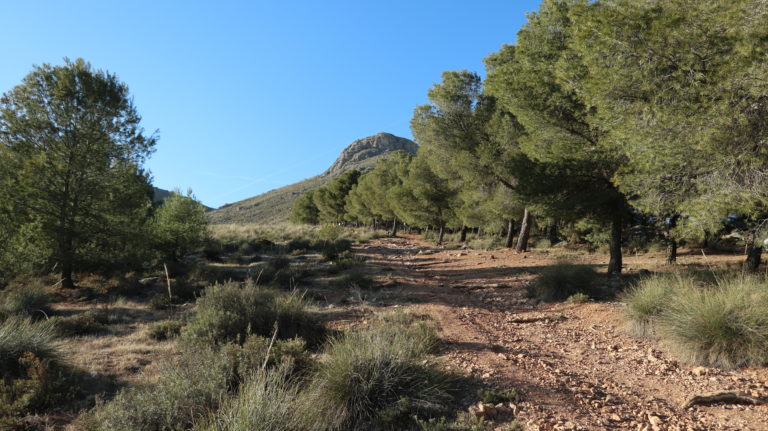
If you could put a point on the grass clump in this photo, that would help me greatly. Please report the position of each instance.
(577, 298)
(496, 397)
(558, 282)
(647, 300)
(20, 335)
(33, 375)
(86, 323)
(32, 300)
(724, 325)
(165, 330)
(230, 312)
(267, 401)
(719, 322)
(380, 377)
(355, 278)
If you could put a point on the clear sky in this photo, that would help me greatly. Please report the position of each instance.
(251, 96)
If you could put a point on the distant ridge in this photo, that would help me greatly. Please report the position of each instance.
(274, 206)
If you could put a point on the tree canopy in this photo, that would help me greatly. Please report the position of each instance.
(71, 151)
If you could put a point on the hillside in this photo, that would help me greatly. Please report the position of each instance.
(162, 194)
(274, 206)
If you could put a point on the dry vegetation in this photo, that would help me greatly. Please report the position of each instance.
(297, 328)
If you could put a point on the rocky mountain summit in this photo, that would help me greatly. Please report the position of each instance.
(360, 153)
(274, 206)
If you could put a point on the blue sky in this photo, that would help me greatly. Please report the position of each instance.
(251, 96)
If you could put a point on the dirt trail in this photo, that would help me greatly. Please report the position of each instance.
(577, 368)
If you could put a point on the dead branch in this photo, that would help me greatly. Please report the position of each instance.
(722, 397)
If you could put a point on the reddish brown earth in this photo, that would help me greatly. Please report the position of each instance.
(577, 370)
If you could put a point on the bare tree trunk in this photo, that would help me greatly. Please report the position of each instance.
(441, 235)
(671, 250)
(525, 232)
(754, 254)
(463, 237)
(394, 227)
(614, 263)
(510, 233)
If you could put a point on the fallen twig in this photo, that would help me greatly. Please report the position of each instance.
(722, 397)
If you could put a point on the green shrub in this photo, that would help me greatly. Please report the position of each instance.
(332, 249)
(558, 282)
(32, 300)
(496, 397)
(355, 278)
(165, 330)
(267, 401)
(78, 324)
(380, 377)
(187, 389)
(346, 260)
(725, 325)
(577, 298)
(229, 312)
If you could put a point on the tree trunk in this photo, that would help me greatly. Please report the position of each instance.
(525, 232)
(463, 237)
(754, 254)
(440, 236)
(671, 251)
(553, 234)
(614, 264)
(394, 227)
(510, 233)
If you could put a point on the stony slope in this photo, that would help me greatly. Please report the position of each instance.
(275, 206)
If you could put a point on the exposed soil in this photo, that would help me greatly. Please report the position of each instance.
(577, 368)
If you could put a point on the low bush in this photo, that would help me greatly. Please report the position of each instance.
(332, 249)
(356, 278)
(33, 375)
(165, 330)
(187, 389)
(577, 298)
(558, 282)
(161, 301)
(230, 312)
(725, 325)
(380, 377)
(208, 274)
(29, 299)
(267, 401)
(86, 323)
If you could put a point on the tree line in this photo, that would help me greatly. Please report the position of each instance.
(74, 195)
(601, 113)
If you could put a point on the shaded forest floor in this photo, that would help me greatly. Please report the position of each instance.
(574, 365)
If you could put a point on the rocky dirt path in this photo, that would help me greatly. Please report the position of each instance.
(574, 365)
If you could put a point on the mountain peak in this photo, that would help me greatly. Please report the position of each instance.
(358, 154)
(274, 206)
